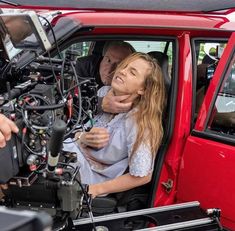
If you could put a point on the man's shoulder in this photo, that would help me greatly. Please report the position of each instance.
(89, 59)
(88, 66)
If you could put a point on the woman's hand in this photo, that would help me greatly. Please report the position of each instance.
(95, 138)
(93, 190)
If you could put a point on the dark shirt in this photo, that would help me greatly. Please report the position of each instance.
(88, 67)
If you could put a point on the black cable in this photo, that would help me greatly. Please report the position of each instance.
(66, 164)
(70, 142)
(10, 3)
(75, 174)
(53, 34)
(90, 119)
(35, 96)
(76, 85)
(86, 195)
(49, 106)
(29, 123)
(31, 151)
(44, 107)
(71, 159)
(53, 72)
(80, 103)
(62, 75)
(23, 140)
(8, 65)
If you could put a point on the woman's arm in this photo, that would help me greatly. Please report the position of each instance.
(119, 184)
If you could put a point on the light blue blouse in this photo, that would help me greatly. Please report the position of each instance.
(111, 161)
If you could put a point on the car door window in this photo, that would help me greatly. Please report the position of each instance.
(77, 49)
(208, 54)
(149, 46)
(222, 119)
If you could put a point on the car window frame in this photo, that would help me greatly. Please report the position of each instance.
(200, 128)
(194, 61)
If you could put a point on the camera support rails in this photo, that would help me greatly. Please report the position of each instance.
(183, 216)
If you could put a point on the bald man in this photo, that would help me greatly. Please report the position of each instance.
(102, 68)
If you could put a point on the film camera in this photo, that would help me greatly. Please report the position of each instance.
(48, 102)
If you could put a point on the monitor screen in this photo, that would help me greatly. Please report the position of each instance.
(24, 31)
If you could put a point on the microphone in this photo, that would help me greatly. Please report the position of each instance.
(55, 144)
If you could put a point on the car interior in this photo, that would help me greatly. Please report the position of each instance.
(137, 198)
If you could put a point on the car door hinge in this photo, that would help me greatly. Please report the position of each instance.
(168, 185)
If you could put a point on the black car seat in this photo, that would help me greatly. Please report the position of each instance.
(136, 198)
(163, 60)
(163, 63)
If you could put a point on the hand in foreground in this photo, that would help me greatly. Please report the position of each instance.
(3, 186)
(113, 104)
(6, 128)
(93, 191)
(95, 138)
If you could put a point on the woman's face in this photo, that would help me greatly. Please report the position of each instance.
(131, 78)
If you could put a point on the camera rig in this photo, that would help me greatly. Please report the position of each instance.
(49, 103)
(47, 108)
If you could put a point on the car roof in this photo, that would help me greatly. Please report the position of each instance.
(148, 21)
(204, 15)
(141, 5)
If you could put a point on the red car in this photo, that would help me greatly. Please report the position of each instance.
(195, 160)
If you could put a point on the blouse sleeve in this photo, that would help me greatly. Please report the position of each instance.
(140, 162)
(103, 91)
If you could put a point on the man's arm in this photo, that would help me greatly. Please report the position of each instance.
(6, 128)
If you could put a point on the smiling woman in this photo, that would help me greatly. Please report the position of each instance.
(126, 139)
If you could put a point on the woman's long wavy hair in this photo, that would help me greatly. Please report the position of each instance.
(150, 105)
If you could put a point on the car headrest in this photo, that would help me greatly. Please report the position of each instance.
(162, 60)
(201, 75)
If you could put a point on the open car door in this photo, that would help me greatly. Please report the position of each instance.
(207, 169)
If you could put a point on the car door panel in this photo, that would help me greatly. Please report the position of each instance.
(207, 174)
(207, 169)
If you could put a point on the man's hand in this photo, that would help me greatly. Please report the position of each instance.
(6, 128)
(114, 104)
(95, 138)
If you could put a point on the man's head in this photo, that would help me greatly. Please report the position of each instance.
(113, 53)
